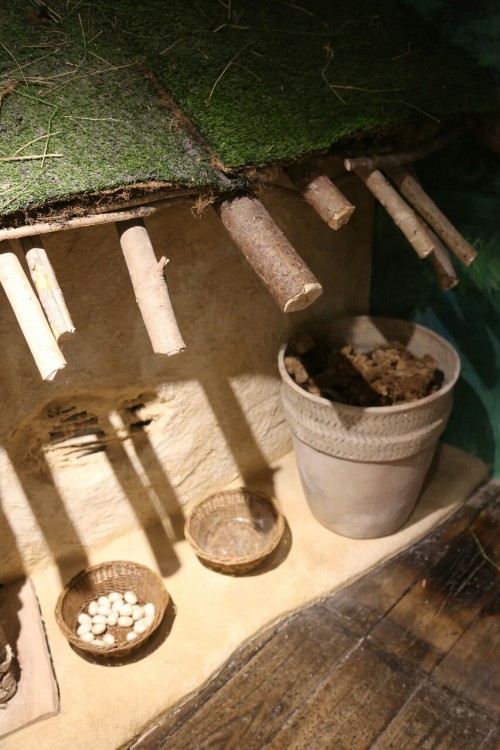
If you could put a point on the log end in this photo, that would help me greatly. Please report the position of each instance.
(341, 217)
(308, 294)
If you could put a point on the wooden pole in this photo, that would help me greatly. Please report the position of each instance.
(413, 191)
(49, 291)
(321, 193)
(290, 282)
(403, 216)
(28, 311)
(150, 287)
(380, 161)
(77, 222)
(442, 265)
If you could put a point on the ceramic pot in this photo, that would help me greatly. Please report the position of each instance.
(363, 468)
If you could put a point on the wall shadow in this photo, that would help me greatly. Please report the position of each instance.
(53, 521)
(248, 457)
(152, 492)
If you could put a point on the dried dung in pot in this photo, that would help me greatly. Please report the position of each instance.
(387, 375)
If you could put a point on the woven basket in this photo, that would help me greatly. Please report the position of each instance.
(235, 530)
(100, 580)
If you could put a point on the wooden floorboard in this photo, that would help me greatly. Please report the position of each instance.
(405, 658)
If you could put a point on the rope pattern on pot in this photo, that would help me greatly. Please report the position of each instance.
(358, 435)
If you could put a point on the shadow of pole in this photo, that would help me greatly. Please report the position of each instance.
(53, 520)
(251, 462)
(145, 496)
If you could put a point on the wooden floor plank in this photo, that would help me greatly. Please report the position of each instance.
(243, 712)
(471, 669)
(435, 719)
(436, 611)
(406, 658)
(350, 708)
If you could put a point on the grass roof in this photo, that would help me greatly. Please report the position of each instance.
(116, 92)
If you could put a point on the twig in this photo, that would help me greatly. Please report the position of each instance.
(231, 61)
(380, 161)
(483, 552)
(17, 63)
(40, 138)
(28, 311)
(31, 157)
(47, 286)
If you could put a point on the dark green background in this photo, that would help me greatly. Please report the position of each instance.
(464, 180)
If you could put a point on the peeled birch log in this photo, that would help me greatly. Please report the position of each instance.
(150, 287)
(403, 216)
(290, 282)
(8, 684)
(321, 193)
(416, 195)
(28, 311)
(49, 291)
(77, 222)
(442, 265)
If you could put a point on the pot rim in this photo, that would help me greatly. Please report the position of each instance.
(376, 409)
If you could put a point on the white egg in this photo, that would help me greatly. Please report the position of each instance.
(125, 622)
(100, 618)
(117, 604)
(126, 610)
(84, 617)
(130, 597)
(98, 628)
(85, 627)
(97, 642)
(93, 608)
(149, 609)
(103, 601)
(137, 612)
(115, 596)
(149, 619)
(140, 627)
(109, 639)
(104, 610)
(112, 618)
(87, 637)
(131, 636)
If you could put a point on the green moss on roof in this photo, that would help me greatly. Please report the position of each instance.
(259, 81)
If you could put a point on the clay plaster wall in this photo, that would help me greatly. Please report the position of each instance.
(122, 438)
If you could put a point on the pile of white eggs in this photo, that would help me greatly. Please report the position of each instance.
(115, 610)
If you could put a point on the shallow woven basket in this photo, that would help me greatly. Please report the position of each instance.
(235, 530)
(100, 580)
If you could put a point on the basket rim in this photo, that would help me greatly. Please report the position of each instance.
(230, 562)
(118, 649)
